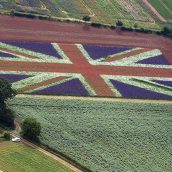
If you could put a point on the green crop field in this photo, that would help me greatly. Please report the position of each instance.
(164, 7)
(108, 12)
(16, 157)
(104, 136)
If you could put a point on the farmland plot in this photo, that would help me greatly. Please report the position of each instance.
(108, 12)
(164, 7)
(20, 158)
(86, 70)
(104, 136)
(129, 11)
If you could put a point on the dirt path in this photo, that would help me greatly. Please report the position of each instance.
(55, 157)
(95, 99)
(68, 165)
(154, 11)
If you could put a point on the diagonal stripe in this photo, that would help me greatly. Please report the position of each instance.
(99, 86)
(40, 84)
(18, 53)
(89, 72)
(132, 53)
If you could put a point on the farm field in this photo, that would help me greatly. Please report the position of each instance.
(164, 7)
(86, 70)
(20, 158)
(128, 11)
(104, 136)
(16, 28)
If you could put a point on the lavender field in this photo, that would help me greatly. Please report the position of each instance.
(86, 70)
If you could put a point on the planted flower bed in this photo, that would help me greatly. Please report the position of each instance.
(86, 70)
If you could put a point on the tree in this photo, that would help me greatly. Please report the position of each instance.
(135, 25)
(119, 23)
(86, 18)
(7, 117)
(166, 31)
(7, 135)
(31, 129)
(6, 92)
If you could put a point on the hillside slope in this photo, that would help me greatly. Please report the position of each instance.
(128, 11)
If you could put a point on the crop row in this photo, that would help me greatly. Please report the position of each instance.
(104, 136)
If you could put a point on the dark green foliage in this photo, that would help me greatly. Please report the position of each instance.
(135, 25)
(98, 25)
(167, 31)
(126, 29)
(6, 92)
(7, 117)
(86, 18)
(7, 135)
(31, 129)
(119, 23)
(27, 15)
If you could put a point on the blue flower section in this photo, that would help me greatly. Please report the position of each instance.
(166, 83)
(130, 91)
(158, 60)
(97, 52)
(44, 48)
(14, 77)
(72, 87)
(2, 54)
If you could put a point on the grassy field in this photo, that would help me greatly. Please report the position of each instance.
(16, 157)
(164, 7)
(128, 11)
(105, 136)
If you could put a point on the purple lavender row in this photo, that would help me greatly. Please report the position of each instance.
(157, 60)
(44, 48)
(2, 54)
(14, 77)
(130, 91)
(97, 52)
(165, 83)
(73, 88)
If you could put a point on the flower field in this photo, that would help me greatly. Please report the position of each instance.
(104, 136)
(104, 11)
(86, 70)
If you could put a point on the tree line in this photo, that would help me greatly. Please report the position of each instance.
(31, 128)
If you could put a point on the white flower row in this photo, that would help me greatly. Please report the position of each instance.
(84, 53)
(40, 57)
(37, 77)
(111, 86)
(118, 54)
(147, 84)
(61, 53)
(86, 85)
(128, 61)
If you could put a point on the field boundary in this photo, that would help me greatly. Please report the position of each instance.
(96, 99)
(155, 11)
(53, 156)
(47, 153)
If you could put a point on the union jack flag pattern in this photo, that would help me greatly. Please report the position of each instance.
(86, 70)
